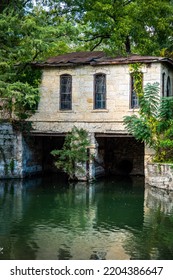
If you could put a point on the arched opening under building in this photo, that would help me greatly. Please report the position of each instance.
(122, 155)
(37, 153)
(125, 166)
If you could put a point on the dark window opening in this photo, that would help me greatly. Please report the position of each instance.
(168, 87)
(100, 91)
(65, 92)
(163, 84)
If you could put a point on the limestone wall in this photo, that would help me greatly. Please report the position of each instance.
(50, 118)
(10, 152)
(158, 199)
(159, 175)
(19, 155)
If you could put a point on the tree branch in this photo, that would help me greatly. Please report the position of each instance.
(106, 36)
(93, 48)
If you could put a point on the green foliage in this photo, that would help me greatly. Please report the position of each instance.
(150, 100)
(135, 70)
(27, 35)
(154, 123)
(139, 128)
(24, 99)
(166, 108)
(122, 26)
(73, 154)
(18, 5)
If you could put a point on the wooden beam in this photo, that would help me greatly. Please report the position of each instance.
(115, 135)
(47, 134)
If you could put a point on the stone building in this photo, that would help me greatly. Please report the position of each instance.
(91, 91)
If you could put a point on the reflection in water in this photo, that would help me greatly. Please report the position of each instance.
(46, 218)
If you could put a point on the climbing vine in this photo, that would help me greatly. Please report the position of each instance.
(135, 70)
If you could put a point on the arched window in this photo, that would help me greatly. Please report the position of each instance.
(168, 87)
(65, 92)
(100, 91)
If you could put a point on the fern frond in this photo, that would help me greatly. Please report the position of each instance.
(166, 108)
(149, 102)
(138, 128)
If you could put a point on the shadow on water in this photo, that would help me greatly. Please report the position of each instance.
(112, 218)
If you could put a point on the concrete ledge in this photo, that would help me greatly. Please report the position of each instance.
(159, 175)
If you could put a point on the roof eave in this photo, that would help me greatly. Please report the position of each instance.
(104, 62)
(132, 61)
(59, 64)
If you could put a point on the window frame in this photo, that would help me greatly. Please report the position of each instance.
(67, 94)
(99, 95)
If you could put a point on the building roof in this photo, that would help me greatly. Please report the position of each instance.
(98, 58)
(76, 57)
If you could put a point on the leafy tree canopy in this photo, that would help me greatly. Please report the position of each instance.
(32, 30)
(28, 35)
(121, 26)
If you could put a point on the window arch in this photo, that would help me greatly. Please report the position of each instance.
(65, 92)
(100, 91)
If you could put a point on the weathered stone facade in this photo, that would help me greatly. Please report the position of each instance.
(109, 121)
(10, 152)
(31, 155)
(158, 199)
(160, 175)
(19, 154)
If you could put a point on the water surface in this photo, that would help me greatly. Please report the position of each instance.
(115, 218)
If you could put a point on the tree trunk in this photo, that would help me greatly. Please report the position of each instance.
(128, 45)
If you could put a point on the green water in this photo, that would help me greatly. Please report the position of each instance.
(115, 218)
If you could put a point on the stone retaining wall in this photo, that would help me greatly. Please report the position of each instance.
(19, 155)
(10, 152)
(159, 175)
